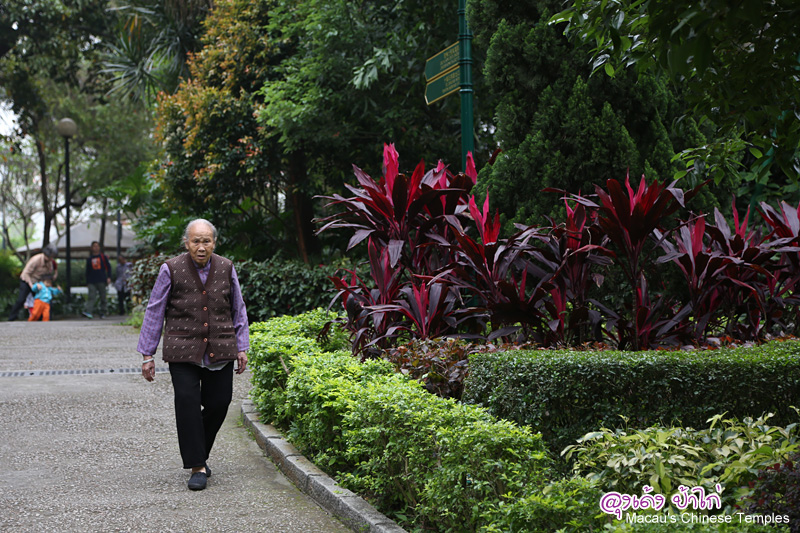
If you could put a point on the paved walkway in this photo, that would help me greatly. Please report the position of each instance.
(98, 452)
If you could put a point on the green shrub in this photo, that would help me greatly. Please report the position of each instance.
(319, 392)
(143, 276)
(565, 394)
(273, 346)
(427, 461)
(569, 505)
(284, 287)
(729, 453)
(777, 491)
(734, 527)
(423, 459)
(10, 269)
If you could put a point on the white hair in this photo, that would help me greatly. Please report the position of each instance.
(195, 221)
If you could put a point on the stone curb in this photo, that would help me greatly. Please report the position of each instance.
(353, 510)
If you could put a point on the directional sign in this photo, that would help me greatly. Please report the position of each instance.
(441, 62)
(443, 86)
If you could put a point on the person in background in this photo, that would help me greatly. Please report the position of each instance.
(199, 297)
(43, 292)
(121, 283)
(98, 277)
(36, 267)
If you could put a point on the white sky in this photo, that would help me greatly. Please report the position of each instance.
(7, 119)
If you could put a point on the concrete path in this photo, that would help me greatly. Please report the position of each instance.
(98, 452)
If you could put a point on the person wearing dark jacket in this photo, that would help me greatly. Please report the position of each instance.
(98, 277)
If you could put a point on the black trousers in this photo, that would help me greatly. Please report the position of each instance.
(202, 397)
(122, 297)
(24, 291)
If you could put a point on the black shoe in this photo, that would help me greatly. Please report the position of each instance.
(208, 471)
(198, 481)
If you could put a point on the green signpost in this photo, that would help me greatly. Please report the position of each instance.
(441, 62)
(443, 86)
(450, 71)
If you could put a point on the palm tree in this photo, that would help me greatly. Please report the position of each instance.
(153, 42)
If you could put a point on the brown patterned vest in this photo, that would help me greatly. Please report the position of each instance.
(198, 317)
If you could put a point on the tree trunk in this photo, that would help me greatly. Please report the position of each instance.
(302, 206)
(102, 238)
(49, 214)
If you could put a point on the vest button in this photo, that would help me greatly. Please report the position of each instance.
(205, 309)
(205, 340)
(205, 325)
(211, 355)
(204, 292)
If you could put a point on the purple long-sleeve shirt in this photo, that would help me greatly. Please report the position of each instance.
(150, 334)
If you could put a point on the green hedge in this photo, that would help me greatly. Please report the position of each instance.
(565, 394)
(270, 288)
(426, 461)
(274, 344)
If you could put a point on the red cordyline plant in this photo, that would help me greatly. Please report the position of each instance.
(573, 252)
(629, 218)
(403, 219)
(498, 272)
(785, 240)
(398, 211)
(745, 283)
(704, 270)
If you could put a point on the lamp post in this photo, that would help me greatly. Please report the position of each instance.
(67, 128)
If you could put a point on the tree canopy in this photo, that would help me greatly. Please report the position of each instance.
(284, 97)
(736, 63)
(557, 125)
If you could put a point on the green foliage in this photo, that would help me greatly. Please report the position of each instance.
(273, 346)
(319, 393)
(734, 62)
(10, 269)
(144, 274)
(443, 461)
(283, 287)
(147, 53)
(729, 452)
(568, 506)
(736, 526)
(566, 394)
(429, 462)
(557, 125)
(777, 491)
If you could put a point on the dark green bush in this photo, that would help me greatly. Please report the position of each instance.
(10, 269)
(565, 394)
(284, 287)
(143, 276)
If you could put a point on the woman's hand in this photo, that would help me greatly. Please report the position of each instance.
(241, 361)
(149, 369)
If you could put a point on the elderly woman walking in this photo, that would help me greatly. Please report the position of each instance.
(198, 297)
(37, 267)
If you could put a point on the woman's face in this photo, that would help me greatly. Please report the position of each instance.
(200, 243)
